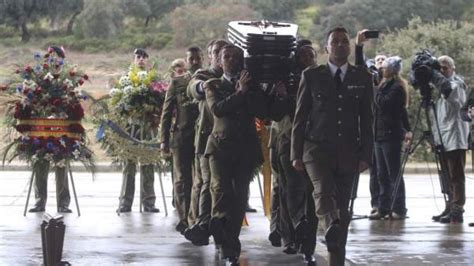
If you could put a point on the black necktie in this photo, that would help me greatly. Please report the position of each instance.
(338, 79)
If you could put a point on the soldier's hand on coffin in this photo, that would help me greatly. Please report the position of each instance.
(244, 81)
(280, 89)
(363, 166)
(298, 165)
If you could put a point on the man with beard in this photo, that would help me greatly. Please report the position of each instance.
(332, 136)
(201, 201)
(179, 136)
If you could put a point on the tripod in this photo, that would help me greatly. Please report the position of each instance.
(426, 105)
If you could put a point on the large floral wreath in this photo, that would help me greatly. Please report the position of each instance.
(130, 119)
(44, 109)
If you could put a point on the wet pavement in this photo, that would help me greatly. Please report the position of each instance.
(100, 237)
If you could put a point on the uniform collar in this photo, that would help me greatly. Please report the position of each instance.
(333, 68)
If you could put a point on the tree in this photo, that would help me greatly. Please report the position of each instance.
(196, 24)
(18, 13)
(100, 19)
(68, 10)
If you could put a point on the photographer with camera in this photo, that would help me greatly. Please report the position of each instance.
(374, 66)
(454, 136)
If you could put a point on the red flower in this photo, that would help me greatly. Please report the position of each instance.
(17, 71)
(45, 66)
(26, 91)
(50, 50)
(85, 77)
(28, 68)
(56, 101)
(22, 112)
(72, 73)
(38, 90)
(81, 81)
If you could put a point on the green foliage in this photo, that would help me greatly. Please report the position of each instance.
(100, 19)
(448, 37)
(196, 24)
(304, 19)
(385, 14)
(278, 9)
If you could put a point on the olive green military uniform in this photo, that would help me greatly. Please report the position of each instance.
(179, 136)
(201, 201)
(147, 175)
(332, 133)
(234, 153)
(41, 169)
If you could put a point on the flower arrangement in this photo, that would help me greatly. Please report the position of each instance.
(44, 108)
(128, 127)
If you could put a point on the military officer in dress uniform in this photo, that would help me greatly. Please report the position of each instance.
(179, 136)
(130, 168)
(332, 136)
(201, 200)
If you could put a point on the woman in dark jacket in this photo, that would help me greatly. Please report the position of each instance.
(391, 128)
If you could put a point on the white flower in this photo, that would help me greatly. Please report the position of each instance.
(143, 89)
(48, 156)
(142, 75)
(114, 92)
(49, 76)
(125, 81)
(76, 153)
(61, 164)
(62, 142)
(127, 89)
(68, 83)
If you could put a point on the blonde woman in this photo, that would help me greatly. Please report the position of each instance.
(391, 128)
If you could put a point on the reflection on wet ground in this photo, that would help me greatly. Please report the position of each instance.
(100, 237)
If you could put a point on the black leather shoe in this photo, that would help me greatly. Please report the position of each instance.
(333, 235)
(290, 249)
(232, 261)
(309, 260)
(436, 218)
(198, 235)
(275, 239)
(250, 209)
(150, 209)
(216, 228)
(64, 210)
(181, 227)
(124, 209)
(453, 218)
(36, 209)
(471, 224)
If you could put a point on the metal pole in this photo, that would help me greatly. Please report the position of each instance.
(29, 189)
(73, 189)
(162, 192)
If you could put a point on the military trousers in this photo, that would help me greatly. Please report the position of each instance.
(299, 200)
(230, 181)
(147, 175)
(455, 162)
(275, 196)
(183, 157)
(332, 192)
(41, 169)
(200, 210)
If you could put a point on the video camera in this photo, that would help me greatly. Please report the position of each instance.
(421, 72)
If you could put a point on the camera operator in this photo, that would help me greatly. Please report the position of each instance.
(454, 135)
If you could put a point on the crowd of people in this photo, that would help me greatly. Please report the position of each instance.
(333, 121)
